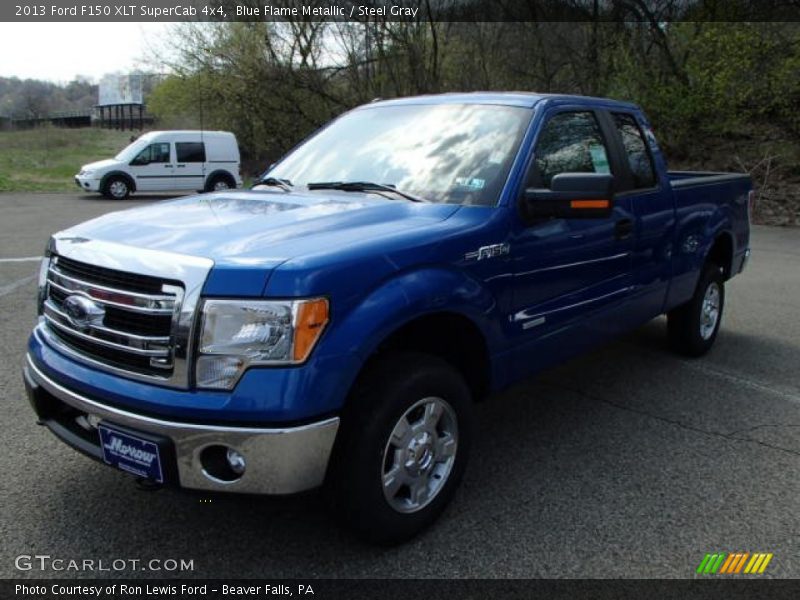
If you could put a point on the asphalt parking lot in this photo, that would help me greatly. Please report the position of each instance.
(629, 462)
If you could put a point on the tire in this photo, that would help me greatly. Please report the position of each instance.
(116, 188)
(388, 489)
(219, 183)
(693, 327)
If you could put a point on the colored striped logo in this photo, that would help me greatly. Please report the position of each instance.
(734, 563)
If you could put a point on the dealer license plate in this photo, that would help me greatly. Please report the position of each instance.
(130, 453)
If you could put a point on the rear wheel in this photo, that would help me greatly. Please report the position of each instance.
(693, 326)
(402, 447)
(219, 183)
(116, 188)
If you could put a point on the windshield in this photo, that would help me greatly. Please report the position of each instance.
(130, 151)
(455, 153)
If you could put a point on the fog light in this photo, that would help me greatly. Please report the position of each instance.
(235, 461)
(222, 464)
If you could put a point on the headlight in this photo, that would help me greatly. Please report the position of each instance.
(236, 334)
(44, 267)
(86, 173)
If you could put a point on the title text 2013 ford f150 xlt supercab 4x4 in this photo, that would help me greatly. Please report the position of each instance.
(333, 326)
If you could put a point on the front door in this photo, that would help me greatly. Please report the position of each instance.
(152, 168)
(571, 276)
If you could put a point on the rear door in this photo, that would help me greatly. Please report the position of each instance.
(190, 165)
(571, 276)
(652, 205)
(152, 168)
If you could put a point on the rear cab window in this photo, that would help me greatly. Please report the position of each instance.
(640, 162)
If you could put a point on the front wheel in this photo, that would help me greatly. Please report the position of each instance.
(116, 188)
(693, 326)
(402, 448)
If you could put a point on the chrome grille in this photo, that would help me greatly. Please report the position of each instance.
(134, 330)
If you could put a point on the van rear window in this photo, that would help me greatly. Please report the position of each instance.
(190, 152)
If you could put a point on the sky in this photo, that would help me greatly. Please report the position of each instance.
(59, 51)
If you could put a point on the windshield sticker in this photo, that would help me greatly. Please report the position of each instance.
(496, 157)
(472, 183)
(599, 159)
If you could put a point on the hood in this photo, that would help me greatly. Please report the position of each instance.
(100, 164)
(266, 228)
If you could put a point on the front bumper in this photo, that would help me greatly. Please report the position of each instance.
(87, 184)
(282, 460)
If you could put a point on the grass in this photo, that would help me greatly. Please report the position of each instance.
(47, 158)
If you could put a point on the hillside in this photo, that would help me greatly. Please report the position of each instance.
(46, 159)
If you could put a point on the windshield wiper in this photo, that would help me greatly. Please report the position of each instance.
(284, 184)
(363, 186)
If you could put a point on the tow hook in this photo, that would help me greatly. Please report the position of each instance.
(147, 485)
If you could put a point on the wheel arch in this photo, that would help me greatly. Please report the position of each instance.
(122, 174)
(721, 252)
(448, 335)
(224, 173)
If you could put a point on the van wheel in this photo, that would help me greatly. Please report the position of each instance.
(116, 188)
(402, 447)
(219, 183)
(693, 327)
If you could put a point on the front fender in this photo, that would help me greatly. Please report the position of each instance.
(354, 336)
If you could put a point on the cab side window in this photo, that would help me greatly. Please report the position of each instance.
(154, 153)
(571, 142)
(190, 152)
(160, 152)
(639, 159)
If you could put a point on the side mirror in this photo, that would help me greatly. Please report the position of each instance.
(139, 162)
(572, 196)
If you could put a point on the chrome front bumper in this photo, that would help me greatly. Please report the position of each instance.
(279, 461)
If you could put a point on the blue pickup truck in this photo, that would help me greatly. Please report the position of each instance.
(333, 326)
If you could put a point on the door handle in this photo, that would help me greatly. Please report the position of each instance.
(623, 229)
(180, 166)
(167, 166)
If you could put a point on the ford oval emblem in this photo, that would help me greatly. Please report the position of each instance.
(83, 312)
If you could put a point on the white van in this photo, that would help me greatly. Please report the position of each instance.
(165, 161)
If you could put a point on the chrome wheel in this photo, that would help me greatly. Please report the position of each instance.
(419, 455)
(220, 185)
(118, 189)
(709, 315)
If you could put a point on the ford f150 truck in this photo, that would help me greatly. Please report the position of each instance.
(333, 326)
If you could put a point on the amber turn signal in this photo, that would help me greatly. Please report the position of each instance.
(589, 204)
(310, 321)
